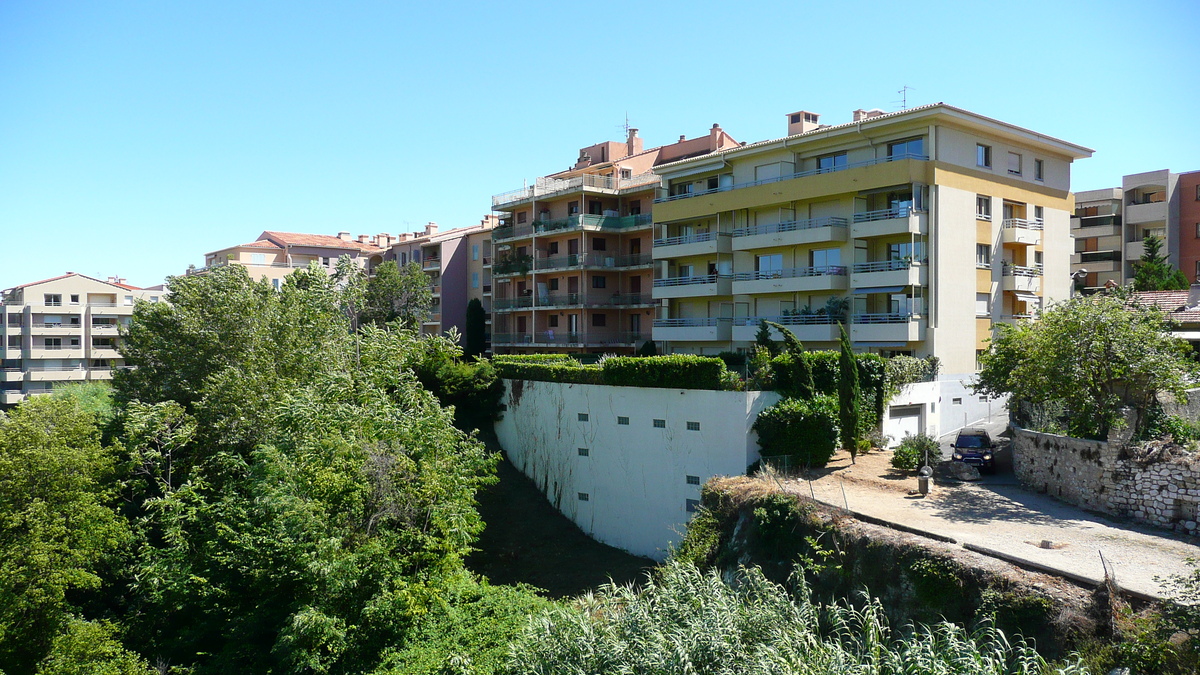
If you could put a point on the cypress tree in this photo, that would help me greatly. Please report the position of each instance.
(848, 395)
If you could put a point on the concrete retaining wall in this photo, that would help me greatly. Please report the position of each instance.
(602, 459)
(1096, 475)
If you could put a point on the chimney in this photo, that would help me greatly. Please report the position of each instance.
(633, 144)
(1193, 296)
(714, 138)
(344, 236)
(362, 238)
(860, 114)
(682, 138)
(431, 228)
(802, 121)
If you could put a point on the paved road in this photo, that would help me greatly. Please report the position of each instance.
(999, 515)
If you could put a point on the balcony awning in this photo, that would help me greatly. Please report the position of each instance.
(877, 289)
(867, 343)
(1026, 296)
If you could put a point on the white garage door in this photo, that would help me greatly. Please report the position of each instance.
(903, 420)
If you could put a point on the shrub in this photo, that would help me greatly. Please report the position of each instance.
(565, 371)
(805, 430)
(912, 451)
(534, 358)
(793, 376)
(648, 348)
(678, 371)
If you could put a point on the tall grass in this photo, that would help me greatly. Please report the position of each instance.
(688, 621)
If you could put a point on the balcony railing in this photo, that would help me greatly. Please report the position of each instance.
(1015, 317)
(689, 239)
(1023, 223)
(883, 214)
(56, 369)
(887, 317)
(43, 324)
(688, 281)
(790, 176)
(823, 271)
(790, 226)
(1021, 271)
(557, 337)
(790, 320)
(557, 225)
(546, 186)
(884, 265)
(572, 300)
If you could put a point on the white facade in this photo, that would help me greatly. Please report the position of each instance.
(630, 469)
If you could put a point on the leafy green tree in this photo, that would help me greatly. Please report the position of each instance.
(475, 331)
(92, 648)
(848, 396)
(762, 338)
(648, 348)
(1091, 355)
(398, 294)
(58, 531)
(1152, 272)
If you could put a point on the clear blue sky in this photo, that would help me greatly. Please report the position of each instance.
(136, 136)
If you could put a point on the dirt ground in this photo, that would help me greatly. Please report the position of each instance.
(527, 541)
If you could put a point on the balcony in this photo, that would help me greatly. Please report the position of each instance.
(431, 264)
(546, 188)
(801, 279)
(557, 300)
(694, 286)
(11, 397)
(900, 272)
(806, 327)
(886, 222)
(590, 223)
(1149, 212)
(705, 243)
(104, 352)
(41, 328)
(1021, 232)
(104, 329)
(593, 260)
(711, 329)
(557, 338)
(790, 176)
(12, 375)
(791, 233)
(433, 318)
(57, 374)
(888, 328)
(1096, 226)
(1021, 279)
(56, 352)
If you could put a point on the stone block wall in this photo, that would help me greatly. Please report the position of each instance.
(1097, 475)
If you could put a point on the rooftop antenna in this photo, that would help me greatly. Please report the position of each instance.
(625, 126)
(904, 96)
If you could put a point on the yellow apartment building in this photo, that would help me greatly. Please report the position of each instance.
(63, 330)
(574, 269)
(919, 229)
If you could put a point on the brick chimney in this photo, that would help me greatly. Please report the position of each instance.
(715, 136)
(860, 114)
(431, 228)
(802, 121)
(344, 236)
(633, 144)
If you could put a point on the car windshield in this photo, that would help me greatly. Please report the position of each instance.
(971, 442)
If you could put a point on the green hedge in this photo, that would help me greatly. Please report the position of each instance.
(805, 430)
(790, 377)
(534, 358)
(551, 372)
(678, 371)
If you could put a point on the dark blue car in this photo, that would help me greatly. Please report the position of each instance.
(974, 446)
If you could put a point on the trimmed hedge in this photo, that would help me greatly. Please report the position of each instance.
(805, 430)
(678, 371)
(790, 379)
(534, 358)
(563, 371)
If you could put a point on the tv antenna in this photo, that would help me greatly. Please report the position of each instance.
(625, 126)
(904, 96)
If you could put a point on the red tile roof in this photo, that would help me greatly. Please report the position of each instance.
(74, 274)
(262, 243)
(320, 240)
(1174, 303)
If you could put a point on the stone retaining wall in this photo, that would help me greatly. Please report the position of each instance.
(1095, 475)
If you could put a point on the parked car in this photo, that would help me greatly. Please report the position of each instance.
(974, 446)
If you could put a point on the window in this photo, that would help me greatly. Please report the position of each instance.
(1039, 214)
(1198, 230)
(14, 320)
(258, 258)
(572, 208)
(1197, 276)
(552, 284)
(1037, 258)
(474, 279)
(956, 401)
(623, 421)
(583, 452)
(1014, 164)
(14, 341)
(522, 217)
(983, 207)
(693, 426)
(552, 321)
(325, 262)
(53, 299)
(599, 244)
(693, 480)
(770, 265)
(552, 248)
(1039, 170)
(983, 156)
(74, 299)
(53, 343)
(474, 251)
(692, 505)
(983, 255)
(599, 320)
(660, 424)
(983, 303)
(834, 162)
(583, 417)
(626, 173)
(595, 208)
(826, 257)
(684, 188)
(277, 283)
(635, 207)
(599, 281)
(583, 496)
(129, 301)
(912, 148)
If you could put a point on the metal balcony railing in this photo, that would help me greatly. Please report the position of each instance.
(823, 271)
(885, 265)
(559, 338)
(790, 320)
(582, 221)
(699, 322)
(883, 214)
(790, 226)
(689, 239)
(1023, 223)
(1021, 271)
(790, 176)
(546, 186)
(886, 317)
(689, 281)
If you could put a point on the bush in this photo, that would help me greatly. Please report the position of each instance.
(678, 371)
(569, 371)
(534, 358)
(912, 451)
(792, 375)
(805, 430)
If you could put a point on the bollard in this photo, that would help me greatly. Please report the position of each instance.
(923, 485)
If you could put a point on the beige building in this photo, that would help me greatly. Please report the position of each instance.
(920, 229)
(458, 263)
(274, 255)
(63, 330)
(573, 268)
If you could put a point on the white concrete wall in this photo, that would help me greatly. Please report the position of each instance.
(635, 475)
(951, 332)
(947, 406)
